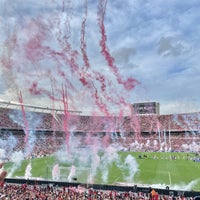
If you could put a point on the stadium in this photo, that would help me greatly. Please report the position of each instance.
(129, 153)
(81, 86)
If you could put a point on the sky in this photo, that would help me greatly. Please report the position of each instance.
(101, 56)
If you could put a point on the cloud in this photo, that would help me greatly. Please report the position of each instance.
(167, 47)
(124, 54)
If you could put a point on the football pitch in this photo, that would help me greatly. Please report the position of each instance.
(174, 169)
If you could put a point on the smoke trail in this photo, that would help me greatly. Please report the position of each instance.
(83, 42)
(96, 75)
(130, 83)
(26, 127)
(66, 113)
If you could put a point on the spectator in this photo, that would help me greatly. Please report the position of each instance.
(154, 195)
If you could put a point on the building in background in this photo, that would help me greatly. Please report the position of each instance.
(146, 108)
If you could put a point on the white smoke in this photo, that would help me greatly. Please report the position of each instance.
(16, 158)
(72, 174)
(56, 172)
(181, 187)
(28, 173)
(110, 155)
(131, 165)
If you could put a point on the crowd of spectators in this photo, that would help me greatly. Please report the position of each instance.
(50, 192)
(135, 123)
(164, 132)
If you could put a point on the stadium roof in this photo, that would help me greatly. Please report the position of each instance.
(16, 105)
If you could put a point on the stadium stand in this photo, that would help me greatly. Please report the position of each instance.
(173, 132)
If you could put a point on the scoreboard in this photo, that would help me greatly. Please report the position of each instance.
(146, 108)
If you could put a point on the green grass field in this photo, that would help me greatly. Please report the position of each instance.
(156, 168)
